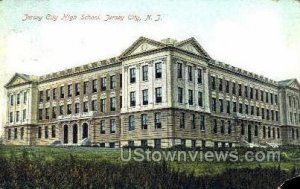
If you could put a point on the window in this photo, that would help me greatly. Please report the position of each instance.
(120, 77)
(77, 89)
(222, 127)
(220, 84)
(268, 114)
(103, 83)
(144, 143)
(18, 99)
(120, 101)
(227, 87)
(234, 108)
(145, 96)
(277, 116)
(24, 115)
(228, 110)
(158, 70)
(132, 75)
(113, 82)
(183, 142)
(46, 132)
(158, 98)
(200, 99)
(11, 100)
(242, 129)
(62, 92)
(85, 106)
(94, 105)
(240, 89)
(252, 110)
(85, 87)
(131, 123)
(102, 127)
(112, 125)
(54, 92)
(199, 76)
(191, 98)
(17, 116)
(179, 70)
(47, 95)
(273, 131)
(9, 134)
(213, 83)
(256, 94)
(157, 143)
(276, 100)
(233, 88)
(247, 109)
(181, 120)
(240, 108)
(157, 120)
(61, 109)
(132, 99)
(202, 122)
(47, 113)
(69, 90)
(269, 132)
(16, 133)
(69, 109)
(180, 95)
(267, 97)
(190, 73)
(229, 127)
(76, 108)
(112, 104)
(273, 116)
(262, 95)
(193, 125)
(215, 126)
(95, 85)
(41, 96)
(103, 105)
(264, 132)
(40, 132)
(214, 104)
(40, 114)
(263, 113)
(53, 131)
(257, 111)
(22, 133)
(255, 130)
(246, 91)
(145, 73)
(278, 133)
(144, 121)
(251, 93)
(24, 97)
(221, 105)
(272, 98)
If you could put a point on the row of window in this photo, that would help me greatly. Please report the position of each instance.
(112, 126)
(190, 73)
(9, 133)
(85, 108)
(144, 143)
(158, 72)
(46, 132)
(18, 116)
(294, 118)
(18, 98)
(77, 88)
(158, 96)
(144, 121)
(244, 109)
(247, 92)
(192, 118)
(190, 97)
(294, 102)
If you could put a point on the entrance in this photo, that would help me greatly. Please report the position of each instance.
(75, 133)
(65, 134)
(85, 130)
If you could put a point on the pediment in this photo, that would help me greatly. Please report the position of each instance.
(295, 84)
(142, 45)
(17, 79)
(191, 45)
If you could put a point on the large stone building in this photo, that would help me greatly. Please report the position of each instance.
(156, 93)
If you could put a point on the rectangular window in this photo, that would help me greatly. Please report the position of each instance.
(229, 127)
(95, 85)
(120, 102)
(181, 120)
(215, 126)
(257, 111)
(120, 77)
(132, 75)
(103, 105)
(240, 108)
(200, 99)
(157, 120)
(190, 73)
(193, 124)
(25, 98)
(76, 108)
(47, 113)
(251, 93)
(18, 99)
(180, 95)
(157, 143)
(24, 115)
(199, 76)
(158, 70)
(246, 91)
(102, 127)
(132, 99)
(131, 123)
(263, 113)
(41, 96)
(40, 114)
(267, 97)
(272, 98)
(227, 86)
(202, 122)
(69, 109)
(69, 90)
(213, 83)
(54, 112)
(61, 110)
(85, 106)
(54, 93)
(9, 134)
(62, 92)
(240, 89)
(233, 88)
(221, 105)
(214, 104)
(112, 125)
(145, 96)
(17, 116)
(47, 95)
(22, 133)
(256, 94)
(15, 133)
(112, 104)
(179, 70)
(276, 100)
(11, 100)
(158, 97)
(113, 83)
(77, 89)
(53, 131)
(262, 94)
(103, 83)
(46, 132)
(144, 120)
(220, 84)
(228, 107)
(145, 73)
(85, 87)
(247, 109)
(94, 105)
(234, 108)
(277, 116)
(191, 97)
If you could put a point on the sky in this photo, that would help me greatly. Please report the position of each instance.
(261, 36)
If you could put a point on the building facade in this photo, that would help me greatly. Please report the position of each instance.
(156, 93)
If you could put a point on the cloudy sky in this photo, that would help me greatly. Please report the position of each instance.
(261, 36)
